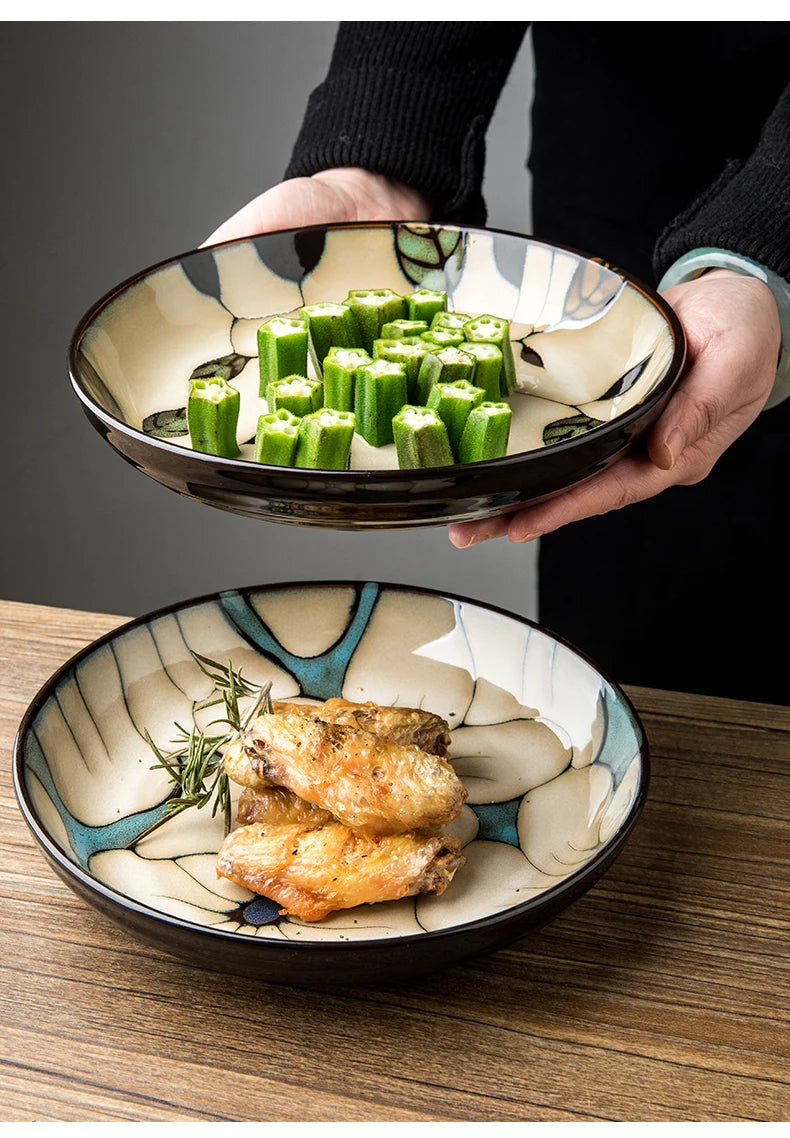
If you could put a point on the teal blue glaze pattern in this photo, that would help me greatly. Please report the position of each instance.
(621, 741)
(320, 677)
(498, 821)
(84, 840)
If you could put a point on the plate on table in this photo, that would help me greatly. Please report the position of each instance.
(552, 755)
(596, 356)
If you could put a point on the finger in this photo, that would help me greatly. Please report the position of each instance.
(630, 479)
(464, 534)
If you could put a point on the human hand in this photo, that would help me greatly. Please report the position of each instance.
(342, 194)
(733, 337)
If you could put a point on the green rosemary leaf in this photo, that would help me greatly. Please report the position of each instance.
(196, 767)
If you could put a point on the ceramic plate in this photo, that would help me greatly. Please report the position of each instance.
(551, 752)
(597, 355)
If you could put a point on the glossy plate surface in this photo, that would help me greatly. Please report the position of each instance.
(552, 754)
(597, 355)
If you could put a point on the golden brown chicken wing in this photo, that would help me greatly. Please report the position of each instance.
(370, 784)
(406, 725)
(313, 872)
(277, 806)
(238, 769)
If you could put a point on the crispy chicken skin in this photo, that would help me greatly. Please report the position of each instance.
(277, 806)
(370, 784)
(313, 872)
(405, 725)
(238, 769)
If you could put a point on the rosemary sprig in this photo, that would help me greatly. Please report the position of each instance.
(196, 764)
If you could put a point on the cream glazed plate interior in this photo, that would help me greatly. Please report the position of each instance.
(596, 354)
(551, 753)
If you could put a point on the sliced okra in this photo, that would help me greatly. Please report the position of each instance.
(373, 308)
(296, 393)
(276, 438)
(409, 352)
(453, 403)
(339, 367)
(379, 393)
(420, 438)
(488, 329)
(489, 366)
(402, 329)
(486, 432)
(444, 337)
(213, 416)
(325, 439)
(443, 365)
(330, 325)
(282, 349)
(425, 303)
(453, 320)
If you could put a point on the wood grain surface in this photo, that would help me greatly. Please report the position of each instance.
(662, 995)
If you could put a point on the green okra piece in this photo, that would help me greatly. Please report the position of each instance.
(410, 352)
(373, 308)
(453, 320)
(330, 325)
(420, 438)
(403, 329)
(282, 349)
(213, 416)
(276, 438)
(296, 393)
(425, 303)
(325, 439)
(489, 329)
(453, 403)
(489, 366)
(486, 432)
(379, 393)
(443, 365)
(444, 337)
(339, 367)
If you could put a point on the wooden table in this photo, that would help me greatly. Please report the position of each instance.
(663, 994)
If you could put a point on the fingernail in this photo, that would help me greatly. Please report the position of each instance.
(524, 538)
(674, 445)
(465, 542)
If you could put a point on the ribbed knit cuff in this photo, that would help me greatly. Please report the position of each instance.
(412, 101)
(747, 210)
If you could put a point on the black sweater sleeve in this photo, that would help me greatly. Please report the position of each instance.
(411, 100)
(746, 210)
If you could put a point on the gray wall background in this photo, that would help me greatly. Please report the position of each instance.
(125, 144)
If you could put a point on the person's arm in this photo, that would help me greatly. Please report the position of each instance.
(396, 131)
(734, 335)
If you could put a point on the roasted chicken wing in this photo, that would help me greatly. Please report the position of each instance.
(370, 784)
(238, 769)
(277, 806)
(313, 872)
(405, 725)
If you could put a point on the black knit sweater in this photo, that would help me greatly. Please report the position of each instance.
(648, 139)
